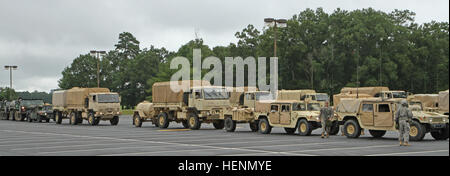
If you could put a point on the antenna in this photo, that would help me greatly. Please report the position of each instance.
(196, 33)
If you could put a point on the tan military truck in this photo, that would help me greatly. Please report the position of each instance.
(91, 104)
(443, 102)
(255, 105)
(191, 106)
(429, 101)
(377, 116)
(303, 95)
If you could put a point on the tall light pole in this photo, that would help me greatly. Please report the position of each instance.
(10, 68)
(97, 54)
(275, 23)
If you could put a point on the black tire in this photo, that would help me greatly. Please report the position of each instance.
(194, 121)
(73, 119)
(441, 134)
(377, 133)
(79, 118)
(218, 124)
(137, 121)
(264, 126)
(290, 130)
(304, 127)
(12, 116)
(230, 124)
(416, 135)
(114, 121)
(334, 129)
(352, 129)
(163, 120)
(91, 119)
(47, 120)
(29, 119)
(39, 118)
(254, 126)
(58, 117)
(22, 117)
(185, 123)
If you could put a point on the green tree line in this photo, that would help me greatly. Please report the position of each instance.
(317, 50)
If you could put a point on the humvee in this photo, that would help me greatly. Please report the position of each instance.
(429, 101)
(33, 108)
(22, 109)
(191, 106)
(46, 113)
(303, 95)
(91, 104)
(377, 115)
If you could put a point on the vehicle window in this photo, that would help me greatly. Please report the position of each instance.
(299, 107)
(303, 97)
(250, 96)
(313, 97)
(383, 108)
(93, 97)
(264, 96)
(313, 107)
(399, 94)
(285, 108)
(107, 98)
(215, 93)
(322, 97)
(377, 95)
(367, 108)
(274, 108)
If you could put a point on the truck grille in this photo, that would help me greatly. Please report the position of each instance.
(437, 120)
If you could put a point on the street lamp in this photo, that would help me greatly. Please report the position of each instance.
(271, 22)
(97, 54)
(10, 68)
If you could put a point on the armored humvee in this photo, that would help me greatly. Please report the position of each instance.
(377, 115)
(91, 104)
(195, 103)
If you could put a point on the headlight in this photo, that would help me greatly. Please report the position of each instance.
(45, 113)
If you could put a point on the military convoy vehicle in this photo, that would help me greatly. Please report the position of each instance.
(303, 95)
(24, 109)
(4, 110)
(193, 105)
(32, 108)
(91, 104)
(429, 101)
(45, 113)
(443, 102)
(377, 115)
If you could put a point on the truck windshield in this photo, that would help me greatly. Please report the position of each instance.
(399, 94)
(322, 97)
(108, 98)
(313, 107)
(32, 102)
(215, 93)
(263, 96)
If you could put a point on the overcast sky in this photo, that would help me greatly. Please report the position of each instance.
(42, 37)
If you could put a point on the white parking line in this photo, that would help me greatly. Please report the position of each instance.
(407, 153)
(318, 143)
(344, 148)
(97, 149)
(66, 146)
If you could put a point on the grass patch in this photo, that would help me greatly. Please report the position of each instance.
(127, 111)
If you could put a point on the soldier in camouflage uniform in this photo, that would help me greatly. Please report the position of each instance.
(326, 113)
(403, 116)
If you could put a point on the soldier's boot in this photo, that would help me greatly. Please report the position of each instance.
(401, 143)
(328, 135)
(342, 134)
(322, 135)
(362, 132)
(406, 144)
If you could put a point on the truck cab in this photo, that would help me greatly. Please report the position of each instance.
(105, 105)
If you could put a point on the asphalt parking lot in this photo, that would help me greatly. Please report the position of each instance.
(23, 138)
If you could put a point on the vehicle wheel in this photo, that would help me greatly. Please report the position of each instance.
(194, 122)
(185, 123)
(304, 127)
(230, 125)
(73, 119)
(39, 119)
(254, 126)
(264, 126)
(137, 121)
(79, 118)
(114, 121)
(219, 124)
(22, 117)
(352, 129)
(91, 119)
(290, 130)
(163, 120)
(416, 131)
(29, 119)
(47, 120)
(442, 134)
(377, 133)
(334, 129)
(58, 118)
(11, 115)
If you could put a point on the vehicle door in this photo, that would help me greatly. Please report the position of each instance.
(383, 115)
(274, 115)
(285, 114)
(367, 113)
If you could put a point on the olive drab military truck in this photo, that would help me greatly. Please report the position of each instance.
(377, 116)
(4, 110)
(91, 104)
(45, 113)
(443, 102)
(32, 109)
(24, 109)
(196, 103)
